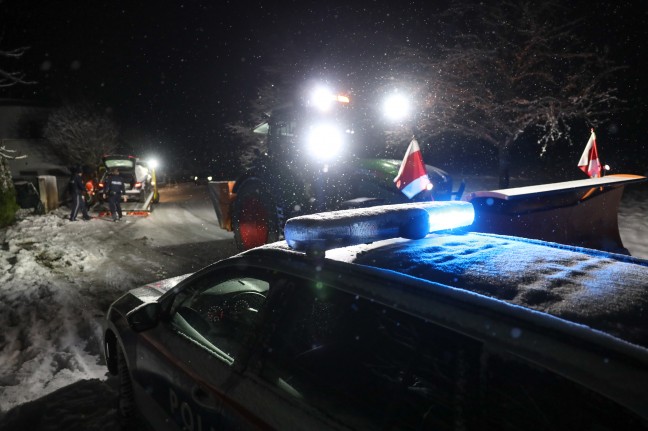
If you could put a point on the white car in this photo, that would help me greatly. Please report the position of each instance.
(135, 173)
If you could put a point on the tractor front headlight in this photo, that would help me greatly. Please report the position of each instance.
(325, 141)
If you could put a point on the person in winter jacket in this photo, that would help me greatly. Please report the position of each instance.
(113, 189)
(77, 191)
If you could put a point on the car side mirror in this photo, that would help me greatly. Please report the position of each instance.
(144, 317)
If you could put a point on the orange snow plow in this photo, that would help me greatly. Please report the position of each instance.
(581, 213)
(221, 195)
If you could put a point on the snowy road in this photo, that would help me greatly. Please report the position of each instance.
(182, 230)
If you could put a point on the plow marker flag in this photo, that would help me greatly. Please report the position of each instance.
(412, 177)
(589, 161)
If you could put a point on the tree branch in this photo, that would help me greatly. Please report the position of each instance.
(8, 79)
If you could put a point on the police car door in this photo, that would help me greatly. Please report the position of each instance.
(292, 308)
(188, 362)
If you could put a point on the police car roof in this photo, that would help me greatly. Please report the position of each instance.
(603, 291)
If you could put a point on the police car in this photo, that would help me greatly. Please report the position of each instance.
(392, 317)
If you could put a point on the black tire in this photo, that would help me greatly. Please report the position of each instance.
(254, 216)
(129, 418)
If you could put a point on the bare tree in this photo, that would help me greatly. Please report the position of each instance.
(277, 89)
(7, 79)
(8, 205)
(5, 173)
(248, 144)
(81, 134)
(508, 68)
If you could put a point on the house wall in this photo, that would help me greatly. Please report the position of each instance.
(21, 130)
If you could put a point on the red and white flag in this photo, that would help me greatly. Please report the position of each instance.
(412, 177)
(589, 161)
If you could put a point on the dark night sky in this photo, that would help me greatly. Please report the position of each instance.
(173, 73)
(170, 72)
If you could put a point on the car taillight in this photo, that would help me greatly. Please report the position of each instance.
(138, 185)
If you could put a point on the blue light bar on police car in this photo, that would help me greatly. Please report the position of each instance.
(325, 231)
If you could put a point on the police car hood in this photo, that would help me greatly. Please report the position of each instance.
(602, 290)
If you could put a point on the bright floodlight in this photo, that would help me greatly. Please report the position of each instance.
(396, 107)
(322, 98)
(324, 141)
(153, 163)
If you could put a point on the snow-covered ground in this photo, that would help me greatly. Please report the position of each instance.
(57, 279)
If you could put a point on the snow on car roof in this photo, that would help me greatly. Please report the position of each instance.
(601, 290)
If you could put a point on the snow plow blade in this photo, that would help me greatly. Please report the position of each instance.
(220, 193)
(581, 213)
(138, 208)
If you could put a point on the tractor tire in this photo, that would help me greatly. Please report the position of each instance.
(255, 218)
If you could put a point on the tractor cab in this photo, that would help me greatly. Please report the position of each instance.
(324, 130)
(331, 136)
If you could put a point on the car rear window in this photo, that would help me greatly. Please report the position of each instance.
(120, 163)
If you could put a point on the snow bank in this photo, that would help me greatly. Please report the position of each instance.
(52, 301)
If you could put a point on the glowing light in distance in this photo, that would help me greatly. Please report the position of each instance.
(153, 163)
(342, 99)
(322, 99)
(396, 107)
